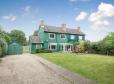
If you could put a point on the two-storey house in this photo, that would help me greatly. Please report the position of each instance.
(55, 38)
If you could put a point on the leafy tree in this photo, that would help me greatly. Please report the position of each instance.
(107, 43)
(18, 36)
(5, 35)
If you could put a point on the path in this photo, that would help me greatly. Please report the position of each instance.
(29, 69)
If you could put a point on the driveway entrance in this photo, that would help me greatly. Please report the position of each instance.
(30, 69)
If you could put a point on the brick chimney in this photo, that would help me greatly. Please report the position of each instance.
(78, 29)
(42, 24)
(64, 28)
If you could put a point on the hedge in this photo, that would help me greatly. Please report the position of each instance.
(43, 51)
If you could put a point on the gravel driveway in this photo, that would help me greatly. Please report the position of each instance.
(27, 69)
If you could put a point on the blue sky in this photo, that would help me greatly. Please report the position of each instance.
(95, 17)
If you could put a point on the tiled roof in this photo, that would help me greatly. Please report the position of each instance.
(35, 39)
(55, 29)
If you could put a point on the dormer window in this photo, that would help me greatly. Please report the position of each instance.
(62, 36)
(51, 35)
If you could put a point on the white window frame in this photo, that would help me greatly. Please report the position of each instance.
(50, 34)
(55, 44)
(37, 45)
(64, 36)
(71, 37)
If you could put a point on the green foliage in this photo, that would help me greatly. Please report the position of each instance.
(18, 36)
(0, 51)
(82, 46)
(105, 46)
(5, 35)
(3, 47)
(43, 51)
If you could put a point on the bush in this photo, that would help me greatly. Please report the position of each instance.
(0, 51)
(3, 47)
(43, 51)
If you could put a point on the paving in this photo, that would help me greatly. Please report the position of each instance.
(31, 69)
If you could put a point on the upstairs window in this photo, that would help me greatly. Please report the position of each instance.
(51, 35)
(62, 35)
(72, 37)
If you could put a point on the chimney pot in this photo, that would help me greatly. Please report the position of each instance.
(64, 27)
(78, 29)
(42, 23)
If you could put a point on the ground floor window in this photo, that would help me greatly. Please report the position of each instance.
(38, 46)
(52, 46)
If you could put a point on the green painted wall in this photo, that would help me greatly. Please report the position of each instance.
(44, 36)
(14, 49)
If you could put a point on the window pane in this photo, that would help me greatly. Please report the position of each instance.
(53, 46)
(52, 35)
(62, 36)
(72, 37)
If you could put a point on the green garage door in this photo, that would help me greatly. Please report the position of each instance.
(14, 49)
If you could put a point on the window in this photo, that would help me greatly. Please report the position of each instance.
(80, 37)
(52, 46)
(52, 35)
(62, 35)
(72, 37)
(38, 46)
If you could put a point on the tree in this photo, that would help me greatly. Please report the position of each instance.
(18, 36)
(5, 35)
(107, 43)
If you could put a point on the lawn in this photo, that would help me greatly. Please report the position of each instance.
(95, 67)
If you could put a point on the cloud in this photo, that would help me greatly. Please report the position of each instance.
(81, 16)
(100, 18)
(27, 10)
(9, 17)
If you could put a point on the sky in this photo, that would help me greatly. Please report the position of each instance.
(95, 17)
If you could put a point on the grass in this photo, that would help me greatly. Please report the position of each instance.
(95, 67)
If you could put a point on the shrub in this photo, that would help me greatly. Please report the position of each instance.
(43, 51)
(0, 51)
(3, 47)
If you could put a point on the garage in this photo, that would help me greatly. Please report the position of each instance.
(15, 48)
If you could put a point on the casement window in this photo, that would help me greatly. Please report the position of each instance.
(51, 35)
(72, 36)
(62, 36)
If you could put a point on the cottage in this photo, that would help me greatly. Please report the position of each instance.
(55, 38)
